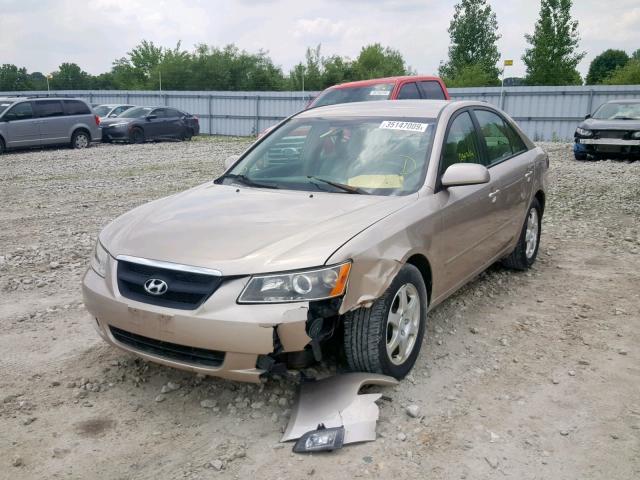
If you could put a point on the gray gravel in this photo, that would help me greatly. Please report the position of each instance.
(524, 375)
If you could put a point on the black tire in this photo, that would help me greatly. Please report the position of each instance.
(3, 148)
(520, 259)
(580, 156)
(366, 330)
(187, 135)
(137, 136)
(80, 139)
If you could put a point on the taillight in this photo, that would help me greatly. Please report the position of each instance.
(197, 119)
(97, 120)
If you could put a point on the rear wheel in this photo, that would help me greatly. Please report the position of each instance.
(386, 338)
(80, 139)
(187, 135)
(2, 146)
(580, 156)
(526, 251)
(136, 136)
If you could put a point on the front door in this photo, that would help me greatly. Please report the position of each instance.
(22, 128)
(467, 239)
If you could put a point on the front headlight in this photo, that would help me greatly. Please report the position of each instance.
(635, 135)
(99, 260)
(584, 132)
(317, 284)
(121, 124)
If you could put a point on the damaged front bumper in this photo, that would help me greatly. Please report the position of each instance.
(219, 338)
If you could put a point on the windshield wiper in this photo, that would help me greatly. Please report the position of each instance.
(247, 181)
(341, 186)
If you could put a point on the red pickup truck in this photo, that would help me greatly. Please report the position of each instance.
(391, 88)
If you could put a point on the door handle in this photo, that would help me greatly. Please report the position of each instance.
(528, 175)
(494, 195)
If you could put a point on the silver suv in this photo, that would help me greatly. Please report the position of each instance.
(34, 122)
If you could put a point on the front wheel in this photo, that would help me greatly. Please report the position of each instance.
(526, 250)
(137, 136)
(386, 338)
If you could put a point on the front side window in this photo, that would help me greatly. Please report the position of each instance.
(495, 134)
(409, 91)
(377, 156)
(379, 91)
(49, 108)
(460, 145)
(159, 112)
(21, 111)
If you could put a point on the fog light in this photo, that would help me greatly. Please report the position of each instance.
(322, 439)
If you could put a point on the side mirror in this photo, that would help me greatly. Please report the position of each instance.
(460, 174)
(151, 117)
(587, 116)
(113, 115)
(229, 161)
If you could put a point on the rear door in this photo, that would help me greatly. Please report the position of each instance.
(468, 212)
(174, 124)
(22, 128)
(54, 125)
(511, 167)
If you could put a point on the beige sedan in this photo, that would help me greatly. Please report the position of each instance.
(342, 227)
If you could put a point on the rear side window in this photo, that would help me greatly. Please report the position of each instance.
(497, 136)
(21, 111)
(460, 145)
(409, 91)
(431, 90)
(172, 112)
(75, 107)
(49, 108)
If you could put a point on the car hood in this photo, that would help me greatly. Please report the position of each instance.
(241, 231)
(595, 124)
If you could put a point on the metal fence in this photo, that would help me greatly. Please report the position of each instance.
(544, 113)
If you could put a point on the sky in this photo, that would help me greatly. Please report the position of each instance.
(41, 34)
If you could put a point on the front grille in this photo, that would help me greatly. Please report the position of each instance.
(172, 351)
(186, 290)
(610, 133)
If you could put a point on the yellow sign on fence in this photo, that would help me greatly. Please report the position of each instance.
(508, 63)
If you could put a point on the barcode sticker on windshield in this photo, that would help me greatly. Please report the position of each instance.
(380, 92)
(406, 126)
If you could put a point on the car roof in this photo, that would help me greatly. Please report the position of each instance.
(380, 108)
(376, 81)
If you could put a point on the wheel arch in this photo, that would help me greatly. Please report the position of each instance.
(541, 197)
(422, 263)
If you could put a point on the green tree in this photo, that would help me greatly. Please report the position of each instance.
(337, 69)
(553, 56)
(70, 76)
(144, 58)
(636, 55)
(376, 61)
(38, 81)
(474, 36)
(471, 76)
(605, 64)
(13, 78)
(627, 75)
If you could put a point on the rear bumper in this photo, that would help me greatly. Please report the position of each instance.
(236, 334)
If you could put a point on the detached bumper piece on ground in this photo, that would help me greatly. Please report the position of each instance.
(330, 413)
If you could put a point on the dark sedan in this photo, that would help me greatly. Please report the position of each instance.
(612, 131)
(140, 124)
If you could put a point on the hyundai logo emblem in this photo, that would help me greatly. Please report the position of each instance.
(155, 286)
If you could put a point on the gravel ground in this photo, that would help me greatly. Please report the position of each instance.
(527, 375)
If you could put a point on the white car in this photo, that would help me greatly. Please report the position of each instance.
(110, 110)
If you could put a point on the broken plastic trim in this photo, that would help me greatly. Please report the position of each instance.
(335, 402)
(322, 439)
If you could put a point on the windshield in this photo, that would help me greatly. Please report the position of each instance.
(618, 111)
(378, 156)
(379, 91)
(4, 106)
(136, 112)
(102, 110)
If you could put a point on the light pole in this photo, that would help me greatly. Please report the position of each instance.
(507, 63)
(48, 77)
